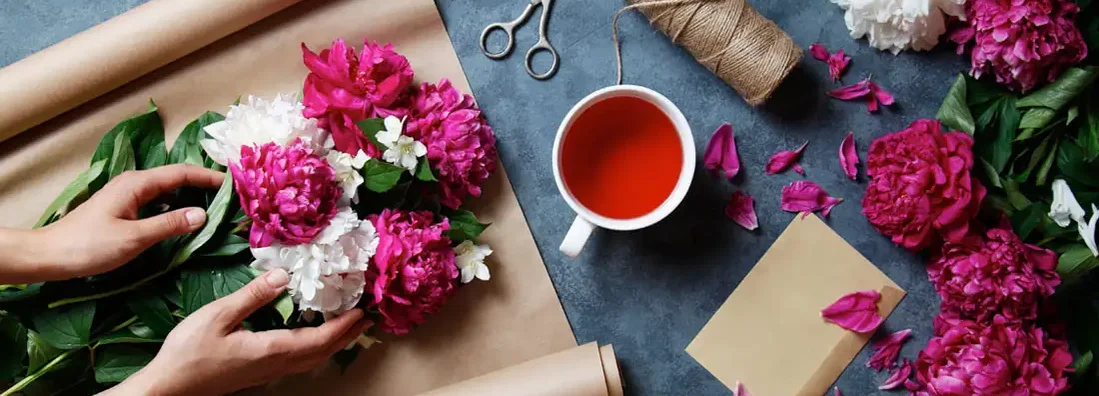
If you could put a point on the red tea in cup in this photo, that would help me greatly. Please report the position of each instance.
(621, 158)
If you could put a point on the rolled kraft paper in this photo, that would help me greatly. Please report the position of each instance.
(745, 49)
(586, 370)
(116, 52)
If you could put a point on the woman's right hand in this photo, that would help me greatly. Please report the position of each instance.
(210, 354)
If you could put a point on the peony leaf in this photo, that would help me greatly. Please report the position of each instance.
(370, 128)
(202, 285)
(1058, 94)
(39, 352)
(79, 186)
(994, 144)
(123, 157)
(215, 213)
(13, 347)
(152, 311)
(464, 226)
(1082, 363)
(423, 171)
(285, 307)
(381, 176)
(1075, 166)
(138, 129)
(1076, 261)
(1014, 195)
(1037, 118)
(186, 148)
(133, 334)
(1089, 130)
(232, 245)
(1024, 221)
(118, 362)
(954, 112)
(991, 175)
(1047, 164)
(67, 327)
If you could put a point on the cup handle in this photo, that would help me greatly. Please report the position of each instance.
(576, 237)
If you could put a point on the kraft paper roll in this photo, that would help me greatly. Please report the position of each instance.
(586, 370)
(107, 56)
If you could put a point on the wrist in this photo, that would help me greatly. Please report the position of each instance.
(144, 382)
(26, 257)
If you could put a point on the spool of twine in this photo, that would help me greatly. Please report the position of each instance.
(745, 49)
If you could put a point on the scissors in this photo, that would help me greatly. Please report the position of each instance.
(509, 29)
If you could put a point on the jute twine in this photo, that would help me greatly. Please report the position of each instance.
(745, 49)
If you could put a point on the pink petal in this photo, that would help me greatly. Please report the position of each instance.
(871, 104)
(836, 64)
(836, 391)
(880, 94)
(807, 196)
(848, 156)
(784, 159)
(740, 390)
(898, 377)
(819, 52)
(741, 209)
(853, 91)
(797, 168)
(887, 349)
(721, 151)
(857, 311)
(911, 385)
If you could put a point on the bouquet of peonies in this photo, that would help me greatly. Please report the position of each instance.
(355, 189)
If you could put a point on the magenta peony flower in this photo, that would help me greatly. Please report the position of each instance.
(1002, 358)
(993, 274)
(343, 88)
(920, 188)
(413, 273)
(289, 193)
(460, 145)
(1021, 42)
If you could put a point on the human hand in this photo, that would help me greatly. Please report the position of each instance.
(104, 232)
(209, 354)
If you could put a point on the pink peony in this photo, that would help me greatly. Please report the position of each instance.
(921, 188)
(1001, 358)
(460, 145)
(993, 274)
(1021, 42)
(343, 88)
(413, 273)
(289, 192)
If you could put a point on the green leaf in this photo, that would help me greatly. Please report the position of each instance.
(1089, 131)
(214, 215)
(232, 245)
(990, 173)
(1077, 261)
(1073, 112)
(13, 347)
(205, 284)
(423, 171)
(1024, 221)
(132, 334)
(285, 306)
(137, 127)
(40, 352)
(154, 312)
(1059, 93)
(1082, 363)
(370, 128)
(1076, 166)
(122, 159)
(1007, 123)
(186, 148)
(67, 327)
(118, 362)
(464, 226)
(979, 92)
(1037, 118)
(381, 176)
(1047, 164)
(1014, 196)
(71, 191)
(954, 112)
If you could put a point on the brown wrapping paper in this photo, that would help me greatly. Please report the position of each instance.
(769, 333)
(586, 370)
(513, 318)
(116, 52)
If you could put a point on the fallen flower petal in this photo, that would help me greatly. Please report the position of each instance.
(798, 169)
(740, 390)
(836, 391)
(836, 64)
(721, 151)
(741, 209)
(865, 90)
(852, 92)
(807, 196)
(880, 94)
(819, 52)
(898, 377)
(784, 159)
(857, 311)
(848, 156)
(911, 385)
(887, 349)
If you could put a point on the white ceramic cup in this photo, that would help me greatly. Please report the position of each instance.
(586, 221)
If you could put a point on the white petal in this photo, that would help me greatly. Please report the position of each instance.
(1088, 232)
(482, 272)
(467, 274)
(359, 160)
(419, 149)
(394, 124)
(1065, 207)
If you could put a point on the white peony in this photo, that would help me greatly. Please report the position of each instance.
(897, 25)
(470, 259)
(258, 121)
(326, 275)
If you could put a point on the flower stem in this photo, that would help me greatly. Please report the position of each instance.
(42, 371)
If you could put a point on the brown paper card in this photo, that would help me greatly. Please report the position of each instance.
(586, 370)
(513, 318)
(769, 334)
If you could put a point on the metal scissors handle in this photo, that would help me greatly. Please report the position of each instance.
(509, 30)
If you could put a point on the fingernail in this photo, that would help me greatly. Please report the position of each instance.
(195, 216)
(277, 278)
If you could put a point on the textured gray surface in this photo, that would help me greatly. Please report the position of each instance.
(649, 292)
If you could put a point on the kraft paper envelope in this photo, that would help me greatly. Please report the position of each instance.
(769, 334)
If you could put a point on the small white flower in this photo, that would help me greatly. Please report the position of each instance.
(1088, 231)
(401, 150)
(347, 173)
(470, 259)
(1065, 208)
(258, 121)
